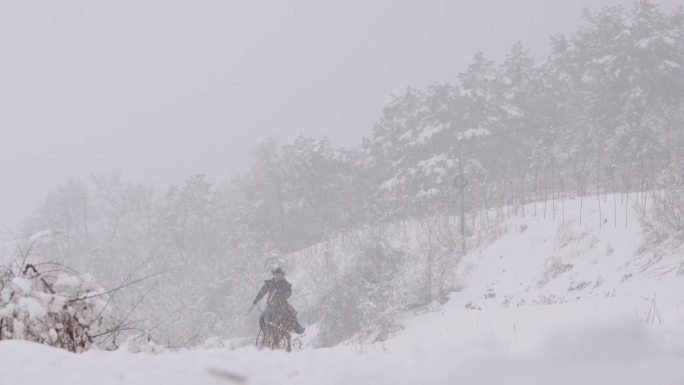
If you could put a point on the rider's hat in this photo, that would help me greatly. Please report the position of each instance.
(278, 270)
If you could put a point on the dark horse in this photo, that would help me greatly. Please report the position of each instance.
(276, 327)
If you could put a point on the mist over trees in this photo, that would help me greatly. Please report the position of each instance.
(602, 113)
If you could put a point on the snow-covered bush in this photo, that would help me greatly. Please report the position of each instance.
(663, 225)
(52, 305)
(363, 300)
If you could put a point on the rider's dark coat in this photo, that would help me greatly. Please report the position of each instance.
(278, 291)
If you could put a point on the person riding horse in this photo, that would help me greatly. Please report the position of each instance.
(278, 311)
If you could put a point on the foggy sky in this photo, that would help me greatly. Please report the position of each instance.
(158, 90)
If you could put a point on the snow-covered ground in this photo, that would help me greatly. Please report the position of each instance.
(552, 301)
(603, 354)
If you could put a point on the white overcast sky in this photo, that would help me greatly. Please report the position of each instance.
(158, 90)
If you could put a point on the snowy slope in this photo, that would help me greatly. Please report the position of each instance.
(551, 301)
(546, 275)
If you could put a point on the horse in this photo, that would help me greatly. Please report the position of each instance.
(276, 326)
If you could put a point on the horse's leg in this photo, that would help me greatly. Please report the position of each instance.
(279, 336)
(271, 337)
(285, 337)
(268, 337)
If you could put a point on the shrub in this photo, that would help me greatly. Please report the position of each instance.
(56, 306)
